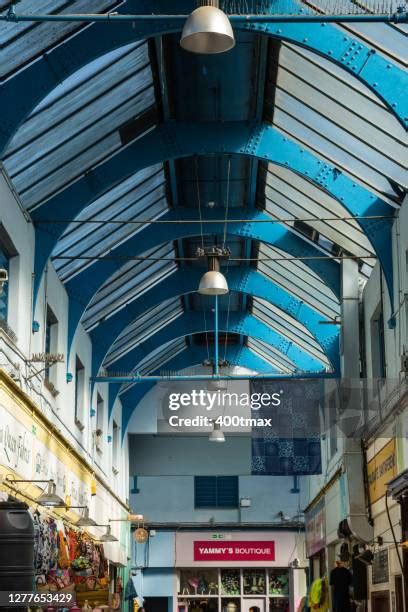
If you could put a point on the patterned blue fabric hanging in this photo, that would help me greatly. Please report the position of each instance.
(291, 446)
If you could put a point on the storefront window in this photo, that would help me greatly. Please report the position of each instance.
(230, 590)
(198, 605)
(4, 263)
(254, 582)
(279, 582)
(230, 582)
(199, 582)
(279, 604)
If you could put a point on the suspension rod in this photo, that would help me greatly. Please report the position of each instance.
(177, 21)
(136, 378)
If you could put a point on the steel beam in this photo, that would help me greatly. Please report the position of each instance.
(20, 94)
(189, 357)
(247, 281)
(245, 324)
(176, 140)
(82, 288)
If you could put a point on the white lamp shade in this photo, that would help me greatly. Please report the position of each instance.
(213, 283)
(217, 435)
(208, 31)
(50, 498)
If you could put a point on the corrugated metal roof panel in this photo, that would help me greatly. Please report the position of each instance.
(130, 282)
(319, 107)
(141, 196)
(299, 280)
(75, 131)
(289, 328)
(144, 327)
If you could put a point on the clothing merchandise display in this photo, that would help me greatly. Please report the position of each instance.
(68, 560)
(45, 547)
(341, 580)
(319, 595)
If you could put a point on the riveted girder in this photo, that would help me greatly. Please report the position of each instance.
(243, 324)
(19, 95)
(85, 285)
(192, 356)
(175, 140)
(245, 280)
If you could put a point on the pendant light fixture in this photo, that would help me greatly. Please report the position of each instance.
(207, 30)
(50, 498)
(86, 520)
(217, 435)
(141, 535)
(108, 536)
(213, 282)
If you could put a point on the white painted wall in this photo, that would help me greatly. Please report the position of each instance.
(165, 468)
(60, 409)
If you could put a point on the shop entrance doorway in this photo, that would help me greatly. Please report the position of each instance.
(254, 605)
(380, 601)
(156, 604)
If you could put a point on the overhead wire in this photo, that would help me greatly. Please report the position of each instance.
(228, 261)
(238, 259)
(200, 220)
(202, 246)
(227, 200)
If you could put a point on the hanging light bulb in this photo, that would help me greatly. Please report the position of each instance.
(207, 30)
(213, 282)
(141, 535)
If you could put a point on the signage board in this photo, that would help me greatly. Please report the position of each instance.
(380, 470)
(380, 567)
(238, 548)
(315, 522)
(207, 550)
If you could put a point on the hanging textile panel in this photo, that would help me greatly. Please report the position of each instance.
(289, 443)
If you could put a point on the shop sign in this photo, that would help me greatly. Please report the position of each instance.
(207, 550)
(237, 549)
(380, 568)
(315, 524)
(380, 470)
(16, 443)
(29, 458)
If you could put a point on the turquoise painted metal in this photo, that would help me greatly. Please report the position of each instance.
(20, 95)
(246, 280)
(244, 324)
(176, 140)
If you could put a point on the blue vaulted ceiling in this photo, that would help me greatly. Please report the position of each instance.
(114, 135)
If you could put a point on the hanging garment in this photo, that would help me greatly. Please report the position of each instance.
(63, 550)
(72, 539)
(130, 591)
(319, 595)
